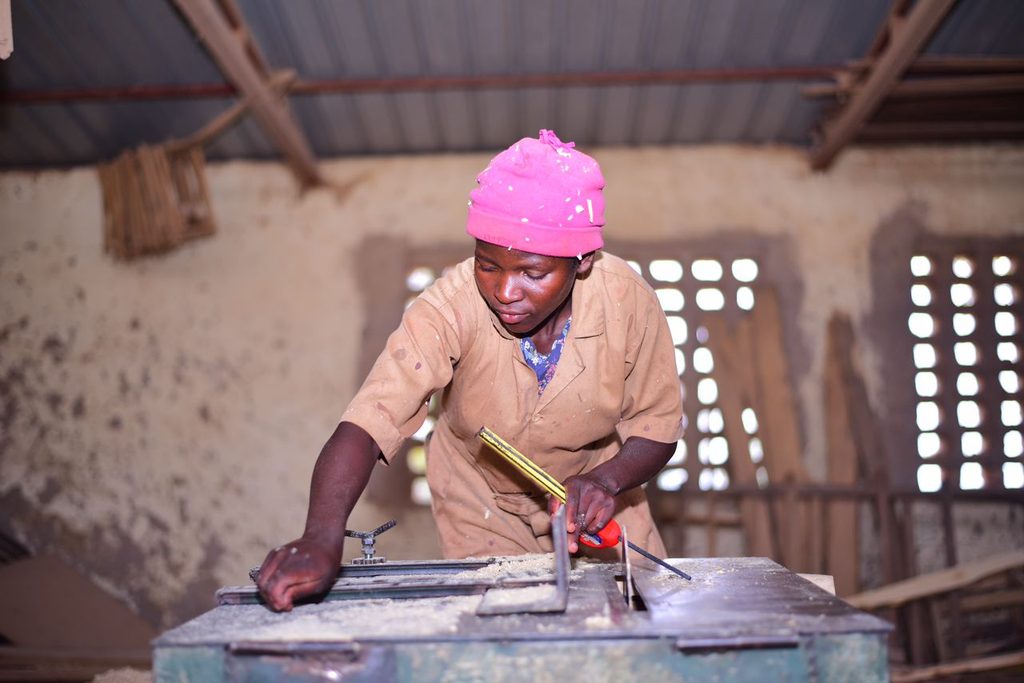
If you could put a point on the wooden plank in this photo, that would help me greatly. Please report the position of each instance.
(937, 582)
(791, 528)
(775, 404)
(843, 544)
(733, 390)
(994, 600)
(270, 111)
(949, 538)
(905, 40)
(915, 619)
(871, 456)
(822, 581)
(938, 636)
(931, 673)
(774, 398)
(816, 535)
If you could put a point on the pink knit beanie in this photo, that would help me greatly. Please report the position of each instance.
(539, 196)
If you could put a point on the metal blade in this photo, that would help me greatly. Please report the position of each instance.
(659, 561)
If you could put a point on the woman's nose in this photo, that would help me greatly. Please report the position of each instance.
(508, 290)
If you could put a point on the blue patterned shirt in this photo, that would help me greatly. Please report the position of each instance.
(543, 365)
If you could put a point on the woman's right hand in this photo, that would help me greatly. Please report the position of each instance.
(297, 570)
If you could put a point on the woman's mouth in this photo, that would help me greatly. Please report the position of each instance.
(510, 318)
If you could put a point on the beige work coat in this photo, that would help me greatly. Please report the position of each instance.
(616, 378)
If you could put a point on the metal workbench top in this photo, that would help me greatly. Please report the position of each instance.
(740, 619)
(753, 599)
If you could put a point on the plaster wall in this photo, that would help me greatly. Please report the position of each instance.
(159, 420)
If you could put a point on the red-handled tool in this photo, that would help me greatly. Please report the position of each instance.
(605, 538)
(608, 537)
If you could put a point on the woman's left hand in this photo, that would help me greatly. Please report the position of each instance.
(589, 506)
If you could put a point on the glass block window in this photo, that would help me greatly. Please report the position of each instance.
(688, 289)
(966, 323)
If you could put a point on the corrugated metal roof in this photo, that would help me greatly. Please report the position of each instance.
(111, 43)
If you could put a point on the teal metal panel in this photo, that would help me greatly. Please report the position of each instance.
(617, 660)
(851, 658)
(189, 664)
(835, 659)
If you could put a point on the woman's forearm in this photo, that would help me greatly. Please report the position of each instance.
(339, 478)
(639, 460)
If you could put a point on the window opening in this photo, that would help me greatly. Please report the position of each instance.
(715, 284)
(966, 317)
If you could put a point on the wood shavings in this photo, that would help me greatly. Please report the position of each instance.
(349, 620)
(522, 566)
(520, 596)
(597, 622)
(124, 675)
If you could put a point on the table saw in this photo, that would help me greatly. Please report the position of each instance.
(536, 618)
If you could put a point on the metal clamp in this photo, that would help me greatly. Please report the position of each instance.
(368, 538)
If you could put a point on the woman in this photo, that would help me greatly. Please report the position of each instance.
(559, 348)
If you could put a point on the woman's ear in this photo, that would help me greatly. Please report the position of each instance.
(586, 263)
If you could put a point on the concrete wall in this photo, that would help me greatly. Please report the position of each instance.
(159, 420)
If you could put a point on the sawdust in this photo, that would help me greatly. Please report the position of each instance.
(521, 566)
(519, 596)
(597, 621)
(366, 619)
(666, 577)
(124, 675)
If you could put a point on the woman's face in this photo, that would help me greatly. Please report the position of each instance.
(524, 290)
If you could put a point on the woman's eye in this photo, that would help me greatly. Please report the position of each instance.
(536, 276)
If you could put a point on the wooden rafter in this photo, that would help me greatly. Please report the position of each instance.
(221, 27)
(904, 35)
(948, 65)
(941, 130)
(932, 87)
(280, 81)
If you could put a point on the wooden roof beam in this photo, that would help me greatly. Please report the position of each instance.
(948, 65)
(235, 53)
(905, 37)
(903, 131)
(934, 87)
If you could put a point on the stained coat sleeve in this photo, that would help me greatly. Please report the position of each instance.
(417, 361)
(652, 405)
